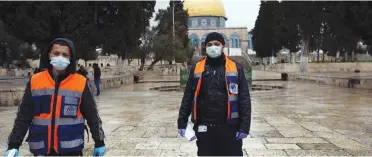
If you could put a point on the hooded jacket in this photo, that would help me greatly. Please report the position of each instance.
(88, 106)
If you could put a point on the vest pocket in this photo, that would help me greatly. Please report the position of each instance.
(69, 107)
(38, 139)
(70, 138)
(42, 104)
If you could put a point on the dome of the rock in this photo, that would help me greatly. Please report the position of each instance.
(204, 8)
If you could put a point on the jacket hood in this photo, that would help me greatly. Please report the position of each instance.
(45, 61)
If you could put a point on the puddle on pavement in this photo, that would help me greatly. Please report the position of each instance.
(181, 88)
(131, 94)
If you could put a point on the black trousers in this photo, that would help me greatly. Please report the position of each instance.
(54, 153)
(218, 141)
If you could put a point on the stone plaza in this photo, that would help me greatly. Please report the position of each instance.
(302, 119)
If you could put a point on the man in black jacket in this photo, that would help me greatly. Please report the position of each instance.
(57, 129)
(222, 110)
(97, 77)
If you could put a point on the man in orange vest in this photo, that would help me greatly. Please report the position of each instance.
(217, 97)
(55, 105)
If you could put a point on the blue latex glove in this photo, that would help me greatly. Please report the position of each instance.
(99, 151)
(240, 135)
(15, 153)
(182, 132)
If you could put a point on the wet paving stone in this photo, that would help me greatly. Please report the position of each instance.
(282, 146)
(262, 152)
(317, 153)
(303, 119)
(318, 146)
(271, 133)
(296, 140)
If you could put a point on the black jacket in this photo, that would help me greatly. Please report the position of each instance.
(212, 101)
(97, 72)
(88, 108)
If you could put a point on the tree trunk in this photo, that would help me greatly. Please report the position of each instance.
(346, 58)
(117, 61)
(353, 56)
(323, 56)
(304, 54)
(142, 64)
(96, 12)
(318, 55)
(151, 67)
(290, 57)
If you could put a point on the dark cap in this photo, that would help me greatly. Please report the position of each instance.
(215, 36)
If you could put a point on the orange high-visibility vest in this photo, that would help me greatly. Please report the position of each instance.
(57, 121)
(231, 77)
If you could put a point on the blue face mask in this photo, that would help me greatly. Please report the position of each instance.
(59, 62)
(214, 51)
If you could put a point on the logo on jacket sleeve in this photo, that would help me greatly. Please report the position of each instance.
(70, 110)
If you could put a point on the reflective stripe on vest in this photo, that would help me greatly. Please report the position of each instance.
(72, 143)
(58, 121)
(36, 145)
(67, 114)
(231, 76)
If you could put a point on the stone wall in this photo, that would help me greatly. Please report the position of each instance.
(170, 70)
(12, 95)
(107, 70)
(318, 67)
(112, 82)
(16, 72)
(348, 82)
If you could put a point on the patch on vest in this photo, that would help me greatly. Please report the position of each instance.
(233, 88)
(69, 110)
(71, 100)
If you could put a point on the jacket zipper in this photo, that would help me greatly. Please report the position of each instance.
(54, 110)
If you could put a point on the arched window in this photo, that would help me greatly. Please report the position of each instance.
(203, 38)
(194, 39)
(250, 46)
(235, 40)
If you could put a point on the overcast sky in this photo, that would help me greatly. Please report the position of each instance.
(239, 13)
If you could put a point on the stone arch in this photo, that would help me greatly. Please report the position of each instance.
(204, 36)
(224, 37)
(235, 40)
(194, 39)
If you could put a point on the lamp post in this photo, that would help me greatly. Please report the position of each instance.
(173, 16)
(174, 53)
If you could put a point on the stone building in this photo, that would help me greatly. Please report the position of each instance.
(207, 16)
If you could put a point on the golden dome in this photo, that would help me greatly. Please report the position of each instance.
(204, 8)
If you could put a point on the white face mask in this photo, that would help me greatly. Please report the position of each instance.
(214, 51)
(59, 62)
